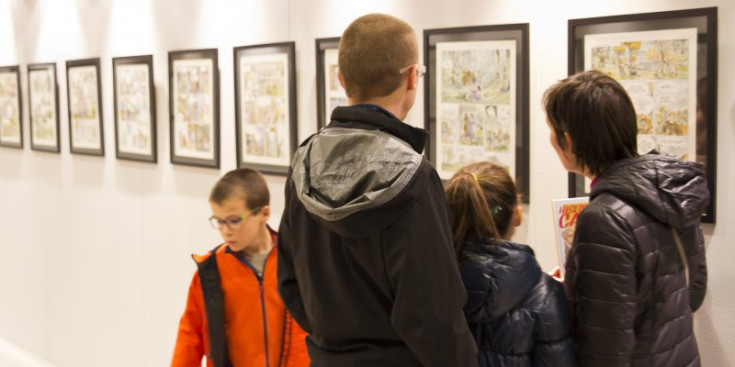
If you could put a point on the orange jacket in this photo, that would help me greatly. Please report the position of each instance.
(257, 328)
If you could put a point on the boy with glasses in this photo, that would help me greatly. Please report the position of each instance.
(234, 314)
(366, 260)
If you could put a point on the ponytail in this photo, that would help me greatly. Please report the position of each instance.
(482, 198)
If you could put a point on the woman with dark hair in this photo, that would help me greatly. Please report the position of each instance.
(517, 313)
(636, 270)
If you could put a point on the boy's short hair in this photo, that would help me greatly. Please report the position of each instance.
(597, 113)
(372, 50)
(243, 182)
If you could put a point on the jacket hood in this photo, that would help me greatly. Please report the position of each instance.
(343, 175)
(511, 270)
(670, 190)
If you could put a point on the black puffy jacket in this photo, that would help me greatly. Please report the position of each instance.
(625, 278)
(517, 313)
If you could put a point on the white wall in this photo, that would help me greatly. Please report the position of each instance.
(96, 250)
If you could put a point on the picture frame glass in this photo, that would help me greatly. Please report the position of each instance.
(476, 99)
(667, 63)
(43, 108)
(84, 113)
(135, 122)
(193, 108)
(475, 104)
(11, 128)
(265, 112)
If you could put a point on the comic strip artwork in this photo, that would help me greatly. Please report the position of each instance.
(10, 128)
(133, 109)
(658, 69)
(264, 102)
(42, 93)
(476, 104)
(85, 124)
(334, 94)
(193, 108)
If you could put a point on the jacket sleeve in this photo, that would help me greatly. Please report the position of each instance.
(693, 241)
(600, 284)
(189, 348)
(554, 346)
(428, 292)
(288, 286)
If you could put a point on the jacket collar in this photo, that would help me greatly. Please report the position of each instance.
(375, 117)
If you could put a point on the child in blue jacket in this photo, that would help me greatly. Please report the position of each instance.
(517, 313)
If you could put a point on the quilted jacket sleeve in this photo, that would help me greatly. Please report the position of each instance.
(600, 284)
(553, 346)
(693, 242)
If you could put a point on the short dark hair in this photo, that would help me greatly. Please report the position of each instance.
(597, 113)
(243, 182)
(372, 50)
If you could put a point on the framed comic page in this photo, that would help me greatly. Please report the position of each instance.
(476, 99)
(43, 98)
(265, 106)
(135, 108)
(11, 116)
(194, 107)
(85, 107)
(667, 62)
(329, 91)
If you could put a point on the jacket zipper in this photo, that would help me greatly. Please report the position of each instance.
(262, 305)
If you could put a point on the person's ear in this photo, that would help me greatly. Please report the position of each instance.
(517, 216)
(413, 78)
(568, 149)
(265, 211)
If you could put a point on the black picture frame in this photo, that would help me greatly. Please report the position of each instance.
(328, 89)
(82, 84)
(11, 100)
(193, 94)
(705, 22)
(43, 106)
(511, 34)
(135, 108)
(270, 79)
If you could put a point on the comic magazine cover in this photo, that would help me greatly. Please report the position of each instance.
(565, 214)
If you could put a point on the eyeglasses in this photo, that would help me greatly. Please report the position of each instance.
(420, 69)
(233, 222)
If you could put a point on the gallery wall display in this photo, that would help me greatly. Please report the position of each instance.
(476, 98)
(667, 62)
(265, 106)
(194, 107)
(11, 116)
(85, 107)
(135, 108)
(329, 91)
(43, 96)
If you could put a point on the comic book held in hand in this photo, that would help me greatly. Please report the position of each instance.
(565, 214)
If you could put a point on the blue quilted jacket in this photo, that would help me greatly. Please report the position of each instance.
(516, 312)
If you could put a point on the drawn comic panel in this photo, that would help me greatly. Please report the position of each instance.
(265, 106)
(10, 128)
(133, 109)
(500, 129)
(42, 91)
(83, 107)
(193, 108)
(476, 72)
(658, 70)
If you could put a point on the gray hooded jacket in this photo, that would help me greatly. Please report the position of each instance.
(366, 261)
